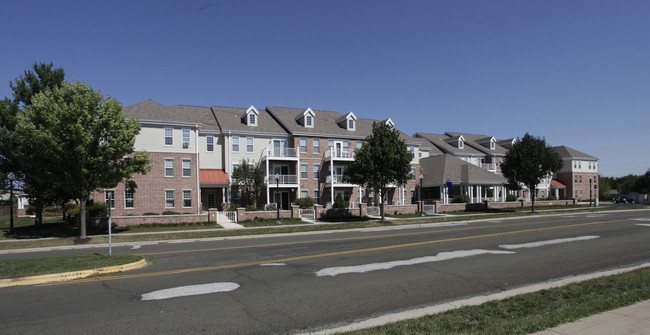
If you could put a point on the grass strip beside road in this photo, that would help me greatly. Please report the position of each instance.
(532, 312)
(25, 267)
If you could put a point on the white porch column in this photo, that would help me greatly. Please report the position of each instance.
(479, 191)
(268, 177)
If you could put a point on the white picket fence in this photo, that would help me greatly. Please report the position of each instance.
(227, 217)
(307, 214)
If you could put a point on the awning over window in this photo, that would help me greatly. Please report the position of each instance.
(213, 178)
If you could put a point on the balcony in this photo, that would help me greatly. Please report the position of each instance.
(340, 155)
(336, 181)
(490, 167)
(291, 154)
(284, 179)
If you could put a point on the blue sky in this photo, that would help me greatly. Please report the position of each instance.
(574, 72)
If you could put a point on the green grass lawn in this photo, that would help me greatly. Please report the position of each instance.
(529, 313)
(25, 267)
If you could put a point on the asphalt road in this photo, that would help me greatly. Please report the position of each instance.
(296, 283)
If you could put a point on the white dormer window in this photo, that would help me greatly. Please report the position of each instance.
(348, 121)
(306, 118)
(308, 121)
(461, 143)
(350, 124)
(493, 143)
(251, 116)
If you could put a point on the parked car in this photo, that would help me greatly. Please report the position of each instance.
(625, 199)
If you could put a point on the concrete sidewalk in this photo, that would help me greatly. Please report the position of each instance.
(630, 320)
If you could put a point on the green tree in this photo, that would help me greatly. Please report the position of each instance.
(625, 184)
(81, 141)
(249, 179)
(642, 185)
(604, 186)
(383, 159)
(40, 78)
(528, 161)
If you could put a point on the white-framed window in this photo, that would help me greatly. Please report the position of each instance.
(187, 170)
(210, 141)
(316, 145)
(575, 179)
(492, 144)
(461, 143)
(316, 171)
(110, 198)
(359, 144)
(303, 145)
(169, 198)
(128, 199)
(249, 142)
(412, 173)
(169, 136)
(303, 171)
(575, 164)
(169, 167)
(317, 196)
(579, 164)
(235, 143)
(308, 121)
(304, 193)
(346, 146)
(187, 198)
(251, 119)
(412, 150)
(420, 154)
(186, 137)
(234, 166)
(330, 144)
(580, 178)
(351, 124)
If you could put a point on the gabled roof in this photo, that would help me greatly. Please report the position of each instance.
(569, 153)
(481, 143)
(438, 169)
(150, 110)
(232, 119)
(441, 142)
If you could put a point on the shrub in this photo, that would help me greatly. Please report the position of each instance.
(97, 210)
(551, 197)
(305, 203)
(149, 213)
(461, 198)
(339, 202)
(270, 207)
(170, 213)
(511, 197)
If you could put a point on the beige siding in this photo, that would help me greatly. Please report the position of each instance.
(152, 139)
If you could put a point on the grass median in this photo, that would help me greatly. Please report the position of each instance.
(532, 312)
(25, 267)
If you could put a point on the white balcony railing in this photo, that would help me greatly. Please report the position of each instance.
(490, 167)
(281, 152)
(339, 154)
(284, 179)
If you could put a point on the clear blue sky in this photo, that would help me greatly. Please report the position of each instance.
(574, 72)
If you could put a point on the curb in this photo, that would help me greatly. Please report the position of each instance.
(54, 277)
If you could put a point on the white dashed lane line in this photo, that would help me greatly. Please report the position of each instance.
(548, 242)
(184, 291)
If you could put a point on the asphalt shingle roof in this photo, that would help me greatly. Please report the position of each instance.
(438, 169)
(232, 119)
(566, 152)
(153, 111)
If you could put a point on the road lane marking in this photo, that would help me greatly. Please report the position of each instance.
(137, 246)
(643, 224)
(641, 219)
(274, 264)
(184, 291)
(328, 254)
(548, 242)
(453, 229)
(443, 256)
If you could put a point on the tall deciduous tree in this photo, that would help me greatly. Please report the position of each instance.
(81, 141)
(528, 161)
(250, 180)
(382, 160)
(40, 78)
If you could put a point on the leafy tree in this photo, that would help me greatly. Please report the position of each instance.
(528, 161)
(249, 179)
(40, 78)
(625, 184)
(604, 186)
(81, 142)
(383, 159)
(642, 185)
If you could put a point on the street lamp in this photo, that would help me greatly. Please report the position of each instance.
(11, 178)
(420, 195)
(590, 191)
(277, 194)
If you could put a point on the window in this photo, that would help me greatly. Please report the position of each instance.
(492, 144)
(235, 143)
(317, 196)
(210, 140)
(461, 143)
(187, 172)
(420, 154)
(330, 144)
(304, 194)
(303, 145)
(169, 136)
(169, 198)
(412, 151)
(575, 164)
(350, 124)
(169, 167)
(308, 121)
(251, 119)
(187, 198)
(303, 171)
(346, 146)
(579, 164)
(316, 146)
(359, 144)
(575, 179)
(128, 199)
(186, 137)
(249, 143)
(316, 171)
(580, 179)
(412, 173)
(110, 198)
(234, 167)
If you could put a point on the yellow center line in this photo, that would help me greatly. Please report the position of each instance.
(334, 239)
(328, 254)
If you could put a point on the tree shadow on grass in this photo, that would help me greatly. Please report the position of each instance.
(57, 229)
